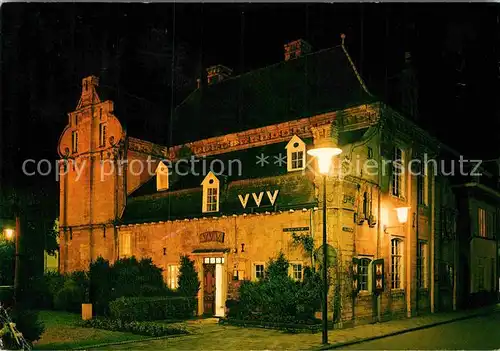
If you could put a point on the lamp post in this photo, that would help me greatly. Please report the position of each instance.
(324, 156)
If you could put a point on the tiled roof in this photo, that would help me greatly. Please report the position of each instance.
(296, 191)
(312, 84)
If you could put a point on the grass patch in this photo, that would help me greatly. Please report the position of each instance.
(62, 332)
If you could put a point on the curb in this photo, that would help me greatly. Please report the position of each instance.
(403, 331)
(128, 342)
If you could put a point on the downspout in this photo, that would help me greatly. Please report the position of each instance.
(432, 237)
(379, 210)
(311, 225)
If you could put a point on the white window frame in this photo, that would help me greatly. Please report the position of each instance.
(293, 272)
(398, 179)
(173, 276)
(368, 273)
(125, 244)
(254, 270)
(295, 154)
(162, 177)
(397, 278)
(422, 265)
(210, 184)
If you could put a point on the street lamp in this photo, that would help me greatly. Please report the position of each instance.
(324, 156)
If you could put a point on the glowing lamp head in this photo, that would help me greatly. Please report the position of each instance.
(324, 156)
(402, 213)
(9, 233)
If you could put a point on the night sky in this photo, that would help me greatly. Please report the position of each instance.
(48, 48)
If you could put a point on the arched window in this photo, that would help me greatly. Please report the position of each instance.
(396, 263)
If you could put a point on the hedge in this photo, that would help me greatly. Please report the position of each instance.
(141, 328)
(152, 308)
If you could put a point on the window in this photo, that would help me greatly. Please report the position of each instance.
(102, 134)
(398, 173)
(210, 193)
(369, 152)
(396, 263)
(364, 274)
(296, 151)
(173, 276)
(367, 205)
(76, 120)
(422, 265)
(74, 141)
(297, 271)
(491, 225)
(298, 160)
(422, 186)
(259, 271)
(480, 274)
(482, 222)
(125, 245)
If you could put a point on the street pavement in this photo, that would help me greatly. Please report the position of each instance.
(479, 333)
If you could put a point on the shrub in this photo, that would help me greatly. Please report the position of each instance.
(71, 296)
(100, 285)
(141, 328)
(152, 308)
(188, 278)
(277, 297)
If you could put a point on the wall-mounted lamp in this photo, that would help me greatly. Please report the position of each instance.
(9, 233)
(402, 213)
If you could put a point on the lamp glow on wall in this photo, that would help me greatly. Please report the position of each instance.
(402, 213)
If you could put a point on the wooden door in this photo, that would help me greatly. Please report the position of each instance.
(209, 289)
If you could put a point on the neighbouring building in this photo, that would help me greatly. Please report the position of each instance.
(239, 186)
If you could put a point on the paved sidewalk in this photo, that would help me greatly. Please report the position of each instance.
(344, 337)
(208, 335)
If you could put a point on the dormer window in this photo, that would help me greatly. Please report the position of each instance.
(161, 177)
(296, 154)
(74, 141)
(210, 193)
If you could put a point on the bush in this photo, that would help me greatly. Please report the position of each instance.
(141, 328)
(278, 298)
(73, 293)
(128, 277)
(188, 278)
(152, 308)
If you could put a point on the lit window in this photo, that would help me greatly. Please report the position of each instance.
(102, 134)
(210, 193)
(482, 222)
(74, 141)
(364, 271)
(297, 271)
(259, 271)
(173, 276)
(398, 173)
(296, 154)
(422, 265)
(125, 245)
(211, 199)
(396, 263)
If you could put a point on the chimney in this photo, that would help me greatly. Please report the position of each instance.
(296, 49)
(218, 73)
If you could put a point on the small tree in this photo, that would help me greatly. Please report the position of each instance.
(189, 283)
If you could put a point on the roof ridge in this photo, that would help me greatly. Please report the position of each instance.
(275, 65)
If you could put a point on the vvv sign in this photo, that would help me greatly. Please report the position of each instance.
(258, 198)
